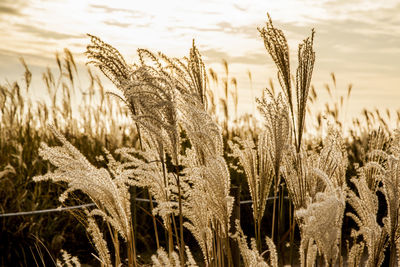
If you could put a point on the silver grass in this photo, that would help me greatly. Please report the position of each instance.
(106, 188)
(190, 262)
(155, 99)
(277, 138)
(155, 90)
(146, 171)
(206, 139)
(277, 125)
(395, 144)
(190, 83)
(328, 167)
(354, 256)
(7, 170)
(162, 259)
(113, 65)
(317, 188)
(154, 94)
(259, 169)
(68, 260)
(333, 158)
(200, 217)
(308, 173)
(391, 189)
(311, 249)
(167, 95)
(306, 59)
(381, 168)
(365, 216)
(217, 177)
(164, 92)
(196, 208)
(276, 44)
(373, 170)
(308, 252)
(251, 256)
(207, 205)
(147, 89)
(99, 243)
(109, 61)
(296, 171)
(204, 134)
(213, 181)
(190, 73)
(322, 222)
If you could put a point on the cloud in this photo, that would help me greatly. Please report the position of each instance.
(125, 17)
(12, 7)
(8, 10)
(251, 58)
(379, 16)
(120, 24)
(248, 31)
(12, 69)
(46, 34)
(241, 8)
(260, 58)
(117, 23)
(107, 9)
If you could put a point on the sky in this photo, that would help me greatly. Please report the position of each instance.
(359, 41)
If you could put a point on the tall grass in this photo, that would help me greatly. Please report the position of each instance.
(23, 127)
(175, 152)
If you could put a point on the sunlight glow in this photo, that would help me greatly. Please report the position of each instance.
(348, 39)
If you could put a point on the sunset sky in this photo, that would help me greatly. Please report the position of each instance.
(357, 40)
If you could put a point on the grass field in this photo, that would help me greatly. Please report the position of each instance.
(178, 178)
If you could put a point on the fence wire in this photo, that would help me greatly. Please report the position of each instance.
(23, 213)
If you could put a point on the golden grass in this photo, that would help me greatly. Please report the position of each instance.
(176, 150)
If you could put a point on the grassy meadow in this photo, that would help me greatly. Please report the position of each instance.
(177, 178)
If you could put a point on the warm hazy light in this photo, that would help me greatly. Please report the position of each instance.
(357, 40)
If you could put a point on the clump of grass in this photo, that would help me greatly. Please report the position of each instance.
(23, 126)
(176, 152)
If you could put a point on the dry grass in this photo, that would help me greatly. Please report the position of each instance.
(177, 152)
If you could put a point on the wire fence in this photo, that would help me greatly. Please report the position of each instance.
(23, 213)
